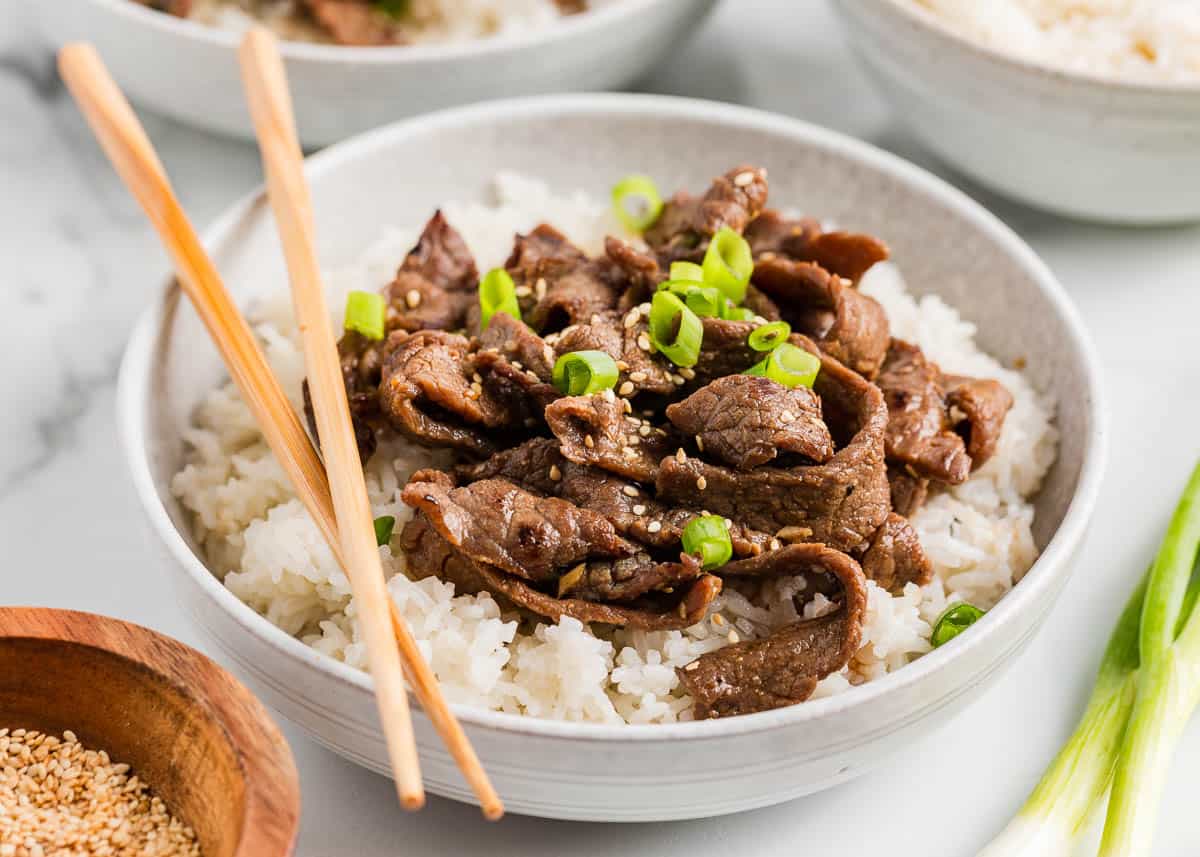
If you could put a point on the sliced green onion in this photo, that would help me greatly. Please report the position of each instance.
(366, 313)
(704, 301)
(637, 202)
(708, 537)
(384, 525)
(687, 272)
(736, 313)
(678, 340)
(497, 293)
(789, 366)
(953, 621)
(768, 336)
(580, 373)
(728, 264)
(394, 8)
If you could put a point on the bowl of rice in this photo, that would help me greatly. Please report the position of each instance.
(461, 51)
(1088, 109)
(595, 712)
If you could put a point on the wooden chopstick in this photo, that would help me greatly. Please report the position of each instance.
(265, 81)
(132, 155)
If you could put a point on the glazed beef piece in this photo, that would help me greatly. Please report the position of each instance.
(559, 283)
(596, 430)
(723, 350)
(895, 557)
(520, 346)
(356, 22)
(908, 491)
(361, 361)
(437, 283)
(747, 420)
(847, 254)
(847, 325)
(784, 668)
(841, 502)
(640, 271)
(687, 223)
(984, 404)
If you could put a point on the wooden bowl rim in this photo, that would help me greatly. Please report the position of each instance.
(263, 756)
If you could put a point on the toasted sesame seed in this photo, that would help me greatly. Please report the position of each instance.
(680, 455)
(733, 636)
(629, 452)
(413, 299)
(639, 377)
(794, 534)
(701, 483)
(639, 509)
(787, 416)
(643, 342)
(625, 403)
(630, 491)
(775, 544)
(608, 395)
(718, 620)
(654, 526)
(645, 430)
(626, 388)
(699, 443)
(477, 388)
(631, 318)
(555, 473)
(622, 366)
(644, 307)
(523, 291)
(694, 665)
(687, 372)
(589, 441)
(743, 179)
(478, 379)
(539, 288)
(728, 524)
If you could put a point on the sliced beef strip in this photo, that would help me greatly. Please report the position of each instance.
(919, 435)
(608, 332)
(639, 270)
(847, 254)
(687, 223)
(908, 491)
(437, 283)
(514, 341)
(567, 287)
(985, 404)
(356, 22)
(429, 554)
(846, 324)
(747, 420)
(535, 464)
(361, 361)
(723, 350)
(784, 668)
(841, 502)
(594, 430)
(895, 557)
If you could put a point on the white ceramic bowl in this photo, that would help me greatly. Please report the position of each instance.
(189, 71)
(946, 244)
(1072, 143)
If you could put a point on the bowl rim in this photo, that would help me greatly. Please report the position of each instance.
(271, 815)
(1097, 82)
(137, 366)
(581, 25)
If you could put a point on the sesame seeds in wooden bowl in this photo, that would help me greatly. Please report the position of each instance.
(84, 696)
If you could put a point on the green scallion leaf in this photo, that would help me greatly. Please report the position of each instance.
(580, 373)
(393, 8)
(736, 313)
(956, 619)
(768, 336)
(637, 202)
(497, 293)
(366, 313)
(789, 366)
(708, 537)
(687, 272)
(384, 525)
(675, 330)
(728, 264)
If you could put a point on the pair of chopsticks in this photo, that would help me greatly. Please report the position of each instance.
(337, 499)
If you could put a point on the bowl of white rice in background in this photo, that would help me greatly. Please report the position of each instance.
(462, 52)
(591, 723)
(1087, 108)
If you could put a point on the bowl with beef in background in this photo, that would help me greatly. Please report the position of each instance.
(1090, 110)
(187, 68)
(951, 251)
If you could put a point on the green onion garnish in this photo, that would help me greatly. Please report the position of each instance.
(728, 264)
(768, 336)
(708, 537)
(497, 293)
(704, 301)
(736, 313)
(582, 372)
(384, 525)
(678, 340)
(637, 202)
(789, 366)
(394, 8)
(366, 313)
(956, 619)
(687, 272)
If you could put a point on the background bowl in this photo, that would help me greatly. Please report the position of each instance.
(190, 731)
(1068, 142)
(944, 242)
(189, 71)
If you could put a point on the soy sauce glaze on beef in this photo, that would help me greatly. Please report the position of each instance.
(579, 505)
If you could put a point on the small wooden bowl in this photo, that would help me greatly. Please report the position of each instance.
(196, 736)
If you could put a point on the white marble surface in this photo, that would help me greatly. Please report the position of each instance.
(79, 264)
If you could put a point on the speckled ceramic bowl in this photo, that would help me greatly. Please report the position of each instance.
(1072, 143)
(944, 242)
(190, 72)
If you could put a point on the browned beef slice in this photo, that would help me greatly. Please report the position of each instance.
(639, 270)
(535, 464)
(724, 351)
(543, 253)
(847, 325)
(356, 22)
(841, 502)
(518, 393)
(847, 254)
(687, 223)
(919, 436)
(747, 420)
(437, 283)
(622, 337)
(429, 554)
(895, 556)
(908, 491)
(361, 361)
(594, 430)
(784, 668)
(567, 288)
(519, 345)
(427, 395)
(984, 403)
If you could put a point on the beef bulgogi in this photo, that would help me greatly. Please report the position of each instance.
(634, 431)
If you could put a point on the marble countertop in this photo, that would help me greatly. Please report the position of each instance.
(82, 263)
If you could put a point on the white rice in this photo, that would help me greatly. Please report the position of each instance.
(1155, 40)
(270, 554)
(428, 21)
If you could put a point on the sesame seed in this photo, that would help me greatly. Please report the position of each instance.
(644, 431)
(626, 388)
(523, 291)
(699, 443)
(643, 342)
(680, 455)
(517, 364)
(608, 395)
(728, 524)
(479, 380)
(548, 353)
(589, 441)
(677, 380)
(733, 636)
(629, 452)
(631, 318)
(627, 406)
(701, 483)
(775, 544)
(694, 665)
(687, 372)
(743, 179)
(630, 491)
(794, 534)
(654, 526)
(555, 473)
(539, 288)
(787, 416)
(413, 299)
(639, 377)
(718, 620)
(476, 388)
(639, 509)
(644, 308)
(622, 366)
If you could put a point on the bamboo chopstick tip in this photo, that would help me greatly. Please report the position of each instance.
(413, 802)
(494, 811)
